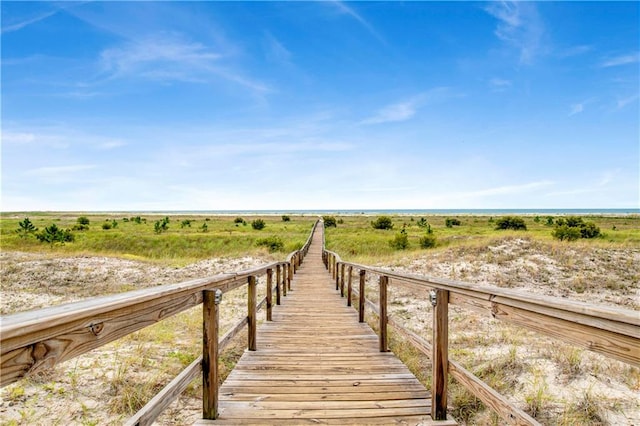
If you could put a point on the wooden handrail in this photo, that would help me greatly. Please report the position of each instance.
(613, 332)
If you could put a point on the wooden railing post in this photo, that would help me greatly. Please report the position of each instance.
(211, 300)
(334, 264)
(342, 267)
(361, 297)
(289, 278)
(286, 270)
(337, 276)
(384, 281)
(278, 283)
(269, 293)
(251, 314)
(349, 286)
(440, 357)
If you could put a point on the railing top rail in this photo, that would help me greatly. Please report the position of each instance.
(491, 293)
(24, 322)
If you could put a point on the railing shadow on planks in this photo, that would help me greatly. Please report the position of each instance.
(37, 340)
(610, 331)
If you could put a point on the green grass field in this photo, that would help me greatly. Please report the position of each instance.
(177, 245)
(356, 240)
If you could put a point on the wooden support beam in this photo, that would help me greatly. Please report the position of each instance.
(384, 281)
(440, 358)
(269, 293)
(251, 314)
(350, 286)
(342, 268)
(361, 296)
(278, 284)
(211, 300)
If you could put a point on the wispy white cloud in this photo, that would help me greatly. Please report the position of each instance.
(576, 109)
(400, 111)
(623, 102)
(507, 189)
(108, 145)
(615, 61)
(169, 57)
(499, 84)
(173, 55)
(406, 109)
(57, 171)
(18, 138)
(598, 184)
(574, 51)
(343, 8)
(25, 23)
(520, 26)
(275, 50)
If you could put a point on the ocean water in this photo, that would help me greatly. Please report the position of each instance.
(415, 212)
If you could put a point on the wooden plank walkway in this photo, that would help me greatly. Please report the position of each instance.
(315, 364)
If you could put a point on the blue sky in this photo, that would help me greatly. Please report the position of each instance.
(319, 105)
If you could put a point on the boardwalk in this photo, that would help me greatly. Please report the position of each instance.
(315, 364)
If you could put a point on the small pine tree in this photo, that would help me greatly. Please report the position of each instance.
(52, 235)
(26, 228)
(428, 241)
(401, 240)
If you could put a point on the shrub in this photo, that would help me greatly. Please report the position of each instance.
(286, 218)
(400, 241)
(107, 225)
(549, 221)
(572, 227)
(382, 222)
(422, 223)
(186, 223)
(204, 228)
(138, 220)
(273, 243)
(589, 230)
(52, 234)
(114, 223)
(451, 222)
(329, 221)
(428, 241)
(161, 225)
(239, 220)
(566, 233)
(340, 221)
(511, 222)
(83, 220)
(26, 228)
(258, 224)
